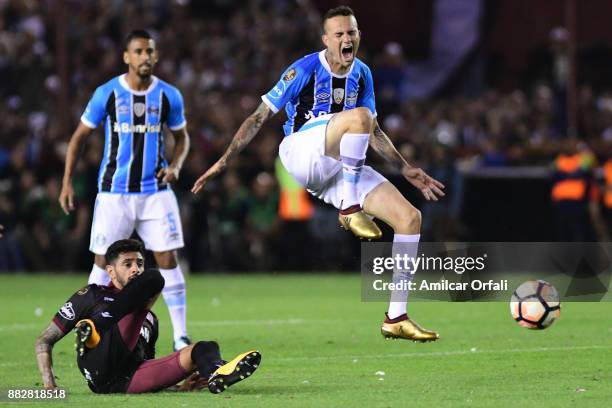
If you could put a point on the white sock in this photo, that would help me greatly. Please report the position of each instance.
(353, 148)
(402, 245)
(174, 294)
(98, 276)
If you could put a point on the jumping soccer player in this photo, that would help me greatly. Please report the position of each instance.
(134, 179)
(116, 334)
(329, 99)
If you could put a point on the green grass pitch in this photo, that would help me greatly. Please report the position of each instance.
(321, 346)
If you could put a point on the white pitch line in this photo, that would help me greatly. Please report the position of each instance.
(23, 326)
(444, 353)
(269, 322)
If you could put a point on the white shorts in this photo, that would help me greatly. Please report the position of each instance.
(154, 216)
(303, 155)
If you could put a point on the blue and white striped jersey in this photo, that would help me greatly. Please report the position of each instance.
(308, 89)
(134, 138)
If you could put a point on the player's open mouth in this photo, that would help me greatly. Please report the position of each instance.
(347, 52)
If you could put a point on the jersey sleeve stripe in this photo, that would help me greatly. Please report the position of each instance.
(88, 123)
(59, 325)
(269, 104)
(179, 126)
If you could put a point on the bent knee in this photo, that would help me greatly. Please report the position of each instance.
(166, 259)
(408, 221)
(362, 119)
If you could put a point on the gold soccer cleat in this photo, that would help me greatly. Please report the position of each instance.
(241, 367)
(404, 328)
(355, 220)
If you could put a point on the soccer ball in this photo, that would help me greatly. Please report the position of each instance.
(535, 304)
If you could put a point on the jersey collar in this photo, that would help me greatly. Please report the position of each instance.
(125, 85)
(328, 69)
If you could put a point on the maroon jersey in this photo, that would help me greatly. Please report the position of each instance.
(109, 366)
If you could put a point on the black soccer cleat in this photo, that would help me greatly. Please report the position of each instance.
(87, 336)
(241, 367)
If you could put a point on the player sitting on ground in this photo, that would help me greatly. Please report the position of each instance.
(116, 334)
(329, 99)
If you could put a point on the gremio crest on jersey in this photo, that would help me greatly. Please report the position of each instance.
(338, 95)
(139, 108)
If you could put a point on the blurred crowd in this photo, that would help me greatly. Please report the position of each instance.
(222, 58)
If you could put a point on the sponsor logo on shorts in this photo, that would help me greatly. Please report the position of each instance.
(144, 332)
(88, 375)
(100, 240)
(67, 312)
(290, 75)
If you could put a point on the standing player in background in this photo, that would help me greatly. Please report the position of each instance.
(329, 99)
(134, 179)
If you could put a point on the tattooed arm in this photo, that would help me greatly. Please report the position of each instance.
(380, 142)
(430, 187)
(243, 136)
(44, 346)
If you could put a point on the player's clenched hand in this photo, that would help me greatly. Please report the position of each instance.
(210, 173)
(429, 186)
(168, 174)
(66, 198)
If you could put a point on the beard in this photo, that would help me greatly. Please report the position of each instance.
(144, 71)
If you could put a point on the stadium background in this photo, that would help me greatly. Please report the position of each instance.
(481, 94)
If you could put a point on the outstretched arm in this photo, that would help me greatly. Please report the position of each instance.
(44, 346)
(66, 198)
(430, 187)
(243, 136)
